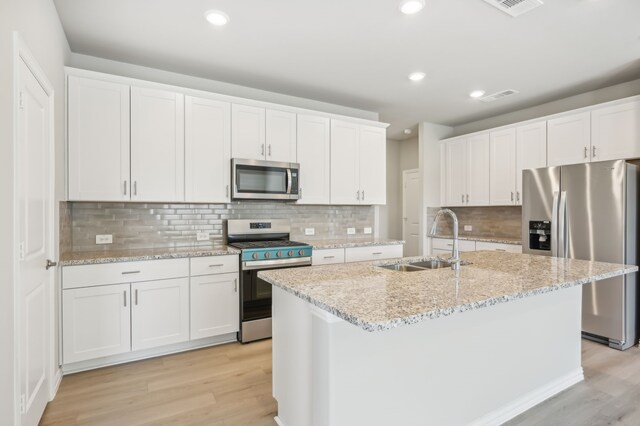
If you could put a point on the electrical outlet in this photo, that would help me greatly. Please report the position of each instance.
(468, 228)
(104, 239)
(202, 236)
(309, 231)
(351, 231)
(367, 230)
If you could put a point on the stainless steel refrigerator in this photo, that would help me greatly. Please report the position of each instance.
(589, 211)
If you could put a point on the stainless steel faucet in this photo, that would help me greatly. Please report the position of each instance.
(455, 252)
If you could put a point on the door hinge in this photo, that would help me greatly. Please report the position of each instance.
(23, 404)
(20, 100)
(21, 251)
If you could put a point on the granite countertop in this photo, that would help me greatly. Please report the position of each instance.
(130, 255)
(350, 242)
(377, 299)
(499, 240)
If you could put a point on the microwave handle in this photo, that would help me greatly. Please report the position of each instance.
(289, 181)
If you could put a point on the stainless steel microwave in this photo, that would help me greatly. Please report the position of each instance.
(264, 180)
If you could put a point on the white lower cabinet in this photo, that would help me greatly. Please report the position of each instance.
(159, 313)
(327, 256)
(355, 254)
(443, 246)
(215, 308)
(509, 248)
(96, 322)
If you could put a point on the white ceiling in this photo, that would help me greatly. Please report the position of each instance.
(358, 53)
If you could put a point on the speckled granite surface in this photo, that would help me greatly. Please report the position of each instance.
(498, 240)
(95, 257)
(351, 242)
(378, 299)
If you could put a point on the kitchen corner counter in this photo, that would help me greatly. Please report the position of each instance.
(377, 299)
(351, 242)
(498, 240)
(132, 255)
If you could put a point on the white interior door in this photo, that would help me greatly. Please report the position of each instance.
(411, 211)
(34, 281)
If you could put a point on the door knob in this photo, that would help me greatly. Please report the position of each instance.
(50, 264)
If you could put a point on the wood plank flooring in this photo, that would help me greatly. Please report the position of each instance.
(230, 385)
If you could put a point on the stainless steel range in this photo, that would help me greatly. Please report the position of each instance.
(264, 244)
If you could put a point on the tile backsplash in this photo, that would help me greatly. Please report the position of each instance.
(151, 225)
(498, 221)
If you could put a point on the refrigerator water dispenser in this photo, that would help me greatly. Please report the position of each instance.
(540, 235)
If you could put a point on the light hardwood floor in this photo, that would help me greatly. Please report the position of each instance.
(230, 385)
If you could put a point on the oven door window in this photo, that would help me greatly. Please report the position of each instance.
(261, 180)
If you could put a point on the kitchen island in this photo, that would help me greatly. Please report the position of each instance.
(357, 344)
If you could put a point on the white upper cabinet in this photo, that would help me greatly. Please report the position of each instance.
(344, 163)
(358, 164)
(615, 132)
(456, 172)
(280, 136)
(569, 139)
(207, 150)
(373, 165)
(98, 131)
(157, 145)
(477, 193)
(314, 148)
(531, 151)
(503, 167)
(248, 132)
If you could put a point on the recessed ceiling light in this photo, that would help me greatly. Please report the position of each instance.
(417, 76)
(477, 93)
(407, 131)
(217, 17)
(409, 7)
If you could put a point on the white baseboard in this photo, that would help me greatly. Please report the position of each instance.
(57, 379)
(530, 400)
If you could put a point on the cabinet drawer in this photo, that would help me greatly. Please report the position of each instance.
(214, 265)
(447, 244)
(327, 256)
(123, 272)
(359, 254)
(510, 248)
(440, 252)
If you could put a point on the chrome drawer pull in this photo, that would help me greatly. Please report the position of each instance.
(378, 252)
(329, 257)
(130, 272)
(217, 265)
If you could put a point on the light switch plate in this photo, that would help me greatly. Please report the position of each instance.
(367, 230)
(202, 236)
(104, 239)
(351, 231)
(468, 228)
(309, 231)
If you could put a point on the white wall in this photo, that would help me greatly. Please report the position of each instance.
(166, 77)
(38, 23)
(606, 94)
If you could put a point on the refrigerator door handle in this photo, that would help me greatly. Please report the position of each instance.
(562, 225)
(554, 226)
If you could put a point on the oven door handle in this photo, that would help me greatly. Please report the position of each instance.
(289, 181)
(272, 264)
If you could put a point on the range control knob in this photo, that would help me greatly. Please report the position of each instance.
(267, 255)
(279, 253)
(255, 255)
(290, 253)
(301, 252)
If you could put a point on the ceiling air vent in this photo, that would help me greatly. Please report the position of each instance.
(499, 95)
(515, 7)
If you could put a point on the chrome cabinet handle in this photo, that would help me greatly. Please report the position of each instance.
(262, 149)
(269, 150)
(227, 193)
(130, 272)
(125, 298)
(593, 149)
(329, 257)
(300, 191)
(135, 187)
(517, 195)
(363, 194)
(463, 198)
(511, 196)
(50, 264)
(235, 285)
(500, 250)
(216, 265)
(467, 198)
(125, 187)
(376, 253)
(358, 195)
(136, 297)
(586, 152)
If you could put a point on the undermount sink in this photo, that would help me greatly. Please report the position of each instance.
(402, 267)
(431, 264)
(421, 265)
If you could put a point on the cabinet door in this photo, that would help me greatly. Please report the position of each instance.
(344, 163)
(248, 132)
(215, 305)
(95, 322)
(159, 313)
(503, 167)
(207, 150)
(615, 132)
(281, 136)
(373, 165)
(157, 145)
(569, 139)
(456, 172)
(314, 148)
(531, 151)
(98, 127)
(478, 170)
